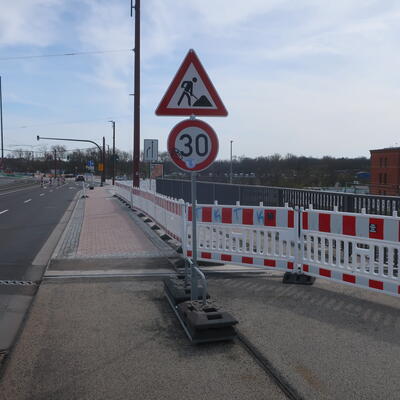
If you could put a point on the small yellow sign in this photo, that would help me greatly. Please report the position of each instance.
(100, 167)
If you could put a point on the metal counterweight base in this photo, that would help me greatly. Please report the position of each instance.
(202, 335)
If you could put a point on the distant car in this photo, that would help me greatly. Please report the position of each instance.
(79, 178)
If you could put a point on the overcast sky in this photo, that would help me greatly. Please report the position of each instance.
(308, 77)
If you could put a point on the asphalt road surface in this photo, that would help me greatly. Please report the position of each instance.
(27, 218)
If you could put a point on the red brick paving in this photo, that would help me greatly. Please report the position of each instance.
(106, 230)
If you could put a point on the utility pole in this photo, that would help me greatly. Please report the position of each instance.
(113, 154)
(55, 163)
(136, 106)
(231, 169)
(1, 128)
(103, 174)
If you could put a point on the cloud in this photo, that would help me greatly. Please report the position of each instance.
(308, 77)
(33, 22)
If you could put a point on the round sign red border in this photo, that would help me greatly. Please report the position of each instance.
(211, 134)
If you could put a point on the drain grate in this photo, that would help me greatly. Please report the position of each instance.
(17, 283)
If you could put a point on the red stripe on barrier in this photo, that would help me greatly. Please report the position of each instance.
(349, 278)
(349, 225)
(270, 217)
(247, 216)
(206, 214)
(375, 284)
(325, 272)
(227, 215)
(190, 214)
(205, 255)
(375, 228)
(189, 253)
(305, 268)
(290, 222)
(324, 221)
(290, 265)
(226, 257)
(247, 260)
(305, 220)
(270, 263)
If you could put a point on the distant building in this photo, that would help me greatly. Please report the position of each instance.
(385, 171)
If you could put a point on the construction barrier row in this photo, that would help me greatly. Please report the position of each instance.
(355, 249)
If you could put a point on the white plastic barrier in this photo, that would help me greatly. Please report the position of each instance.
(123, 190)
(356, 249)
(167, 212)
(260, 236)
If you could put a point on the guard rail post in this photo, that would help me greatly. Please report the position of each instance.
(298, 277)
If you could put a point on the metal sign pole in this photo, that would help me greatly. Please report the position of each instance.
(150, 175)
(194, 220)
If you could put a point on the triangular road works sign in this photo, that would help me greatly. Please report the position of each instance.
(191, 92)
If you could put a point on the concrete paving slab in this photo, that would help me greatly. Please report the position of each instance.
(14, 304)
(120, 340)
(329, 341)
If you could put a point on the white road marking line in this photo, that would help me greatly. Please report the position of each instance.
(41, 194)
(17, 190)
(27, 201)
(2, 212)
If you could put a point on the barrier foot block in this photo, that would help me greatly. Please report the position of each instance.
(206, 322)
(176, 290)
(297, 279)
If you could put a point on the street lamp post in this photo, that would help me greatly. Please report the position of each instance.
(102, 151)
(1, 127)
(113, 154)
(55, 163)
(231, 169)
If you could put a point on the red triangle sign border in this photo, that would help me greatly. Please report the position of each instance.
(163, 109)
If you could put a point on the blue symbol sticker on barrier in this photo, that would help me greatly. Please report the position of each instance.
(237, 215)
(260, 216)
(217, 215)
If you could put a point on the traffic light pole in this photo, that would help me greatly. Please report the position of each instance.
(102, 151)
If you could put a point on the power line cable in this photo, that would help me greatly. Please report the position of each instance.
(76, 53)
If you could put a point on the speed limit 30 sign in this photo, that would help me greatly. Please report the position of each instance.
(192, 145)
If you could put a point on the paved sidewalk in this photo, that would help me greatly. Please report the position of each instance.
(103, 237)
(101, 328)
(111, 337)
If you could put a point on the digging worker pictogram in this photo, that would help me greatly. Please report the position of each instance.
(187, 87)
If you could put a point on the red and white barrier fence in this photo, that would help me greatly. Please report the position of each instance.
(356, 249)
(259, 236)
(167, 212)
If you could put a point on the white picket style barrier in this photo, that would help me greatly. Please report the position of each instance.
(260, 236)
(355, 249)
(167, 212)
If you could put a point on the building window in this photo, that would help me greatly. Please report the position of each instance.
(380, 178)
(385, 179)
(384, 192)
(380, 192)
(385, 162)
